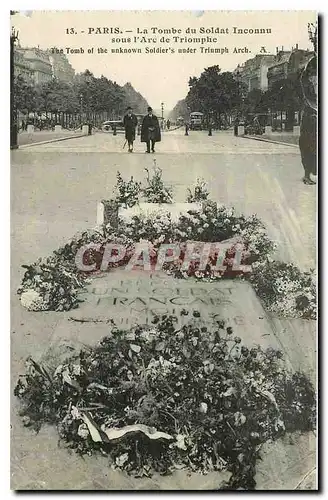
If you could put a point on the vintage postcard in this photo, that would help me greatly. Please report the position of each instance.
(163, 235)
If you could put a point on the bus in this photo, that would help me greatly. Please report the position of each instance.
(196, 120)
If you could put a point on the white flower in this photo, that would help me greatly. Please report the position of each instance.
(240, 418)
(203, 407)
(32, 300)
(180, 443)
(76, 414)
(76, 370)
(83, 431)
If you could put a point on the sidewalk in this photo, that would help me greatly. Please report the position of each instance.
(286, 137)
(25, 138)
(291, 138)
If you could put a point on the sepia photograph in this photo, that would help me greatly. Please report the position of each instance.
(164, 218)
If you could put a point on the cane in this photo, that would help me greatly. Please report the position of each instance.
(124, 144)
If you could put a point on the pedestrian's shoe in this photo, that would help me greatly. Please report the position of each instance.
(147, 151)
(308, 181)
(153, 150)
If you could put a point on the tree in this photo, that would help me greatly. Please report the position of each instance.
(214, 92)
(256, 102)
(25, 96)
(285, 96)
(180, 109)
(99, 96)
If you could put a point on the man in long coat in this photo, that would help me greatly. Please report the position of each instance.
(150, 130)
(130, 121)
(308, 129)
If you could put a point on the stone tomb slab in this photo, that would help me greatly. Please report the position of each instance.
(145, 209)
(134, 298)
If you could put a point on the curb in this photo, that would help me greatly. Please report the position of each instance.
(50, 141)
(171, 129)
(269, 140)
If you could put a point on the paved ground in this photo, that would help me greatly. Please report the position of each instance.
(287, 138)
(44, 135)
(254, 176)
(54, 192)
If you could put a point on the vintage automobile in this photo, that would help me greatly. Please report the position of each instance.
(117, 125)
(112, 126)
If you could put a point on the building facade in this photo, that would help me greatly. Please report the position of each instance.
(38, 66)
(288, 64)
(61, 68)
(263, 70)
(22, 67)
(39, 63)
(253, 73)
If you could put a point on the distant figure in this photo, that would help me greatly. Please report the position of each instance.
(150, 130)
(130, 123)
(168, 124)
(308, 129)
(235, 126)
(257, 129)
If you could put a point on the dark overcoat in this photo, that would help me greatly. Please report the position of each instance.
(308, 129)
(130, 123)
(308, 140)
(150, 129)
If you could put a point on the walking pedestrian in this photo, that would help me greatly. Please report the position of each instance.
(150, 130)
(186, 128)
(308, 128)
(168, 124)
(130, 122)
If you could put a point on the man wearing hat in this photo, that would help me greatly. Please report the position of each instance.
(130, 122)
(150, 130)
(308, 129)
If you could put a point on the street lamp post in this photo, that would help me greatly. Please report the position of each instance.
(81, 108)
(238, 102)
(210, 123)
(88, 81)
(13, 109)
(162, 108)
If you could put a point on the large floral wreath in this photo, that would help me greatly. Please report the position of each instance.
(54, 283)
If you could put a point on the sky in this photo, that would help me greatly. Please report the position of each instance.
(160, 77)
